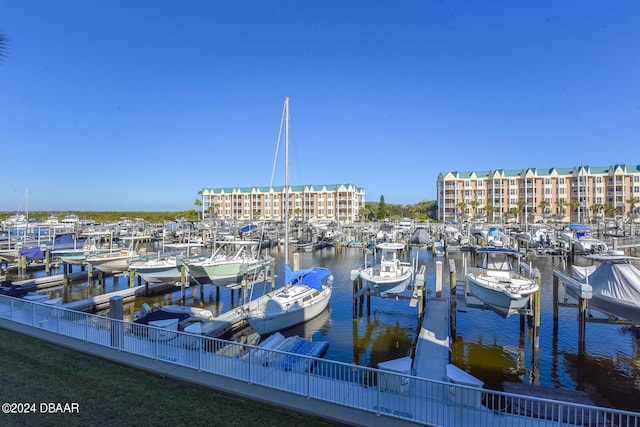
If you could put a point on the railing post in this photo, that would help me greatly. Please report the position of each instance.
(378, 392)
(308, 378)
(249, 365)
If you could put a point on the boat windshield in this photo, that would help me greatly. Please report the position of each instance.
(498, 262)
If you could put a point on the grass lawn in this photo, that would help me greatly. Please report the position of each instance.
(109, 394)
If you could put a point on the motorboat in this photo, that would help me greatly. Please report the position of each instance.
(229, 268)
(497, 284)
(164, 269)
(389, 277)
(580, 237)
(615, 285)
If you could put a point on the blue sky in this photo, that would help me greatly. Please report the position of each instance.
(137, 105)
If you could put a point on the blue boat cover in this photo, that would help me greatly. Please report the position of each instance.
(311, 277)
(63, 241)
(578, 227)
(248, 228)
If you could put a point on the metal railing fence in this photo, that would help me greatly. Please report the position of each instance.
(394, 394)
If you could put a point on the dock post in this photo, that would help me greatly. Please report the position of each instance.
(273, 275)
(453, 288)
(296, 261)
(536, 315)
(47, 261)
(116, 313)
(183, 292)
(438, 279)
(354, 303)
(183, 275)
(556, 282)
(244, 288)
(582, 320)
(22, 265)
(132, 278)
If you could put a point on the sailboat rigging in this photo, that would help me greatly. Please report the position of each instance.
(305, 292)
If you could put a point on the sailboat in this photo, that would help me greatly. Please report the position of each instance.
(305, 293)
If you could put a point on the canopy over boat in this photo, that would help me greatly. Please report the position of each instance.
(63, 241)
(311, 277)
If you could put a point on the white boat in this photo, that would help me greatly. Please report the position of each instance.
(615, 285)
(391, 276)
(580, 237)
(113, 262)
(438, 248)
(497, 284)
(165, 269)
(220, 267)
(305, 293)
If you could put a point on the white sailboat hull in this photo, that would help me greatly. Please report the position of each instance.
(288, 307)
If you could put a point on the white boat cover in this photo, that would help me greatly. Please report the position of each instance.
(620, 281)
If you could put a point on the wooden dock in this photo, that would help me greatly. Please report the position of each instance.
(101, 302)
(232, 320)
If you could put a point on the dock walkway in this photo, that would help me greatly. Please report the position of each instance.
(432, 349)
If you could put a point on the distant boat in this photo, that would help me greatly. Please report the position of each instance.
(420, 237)
(615, 285)
(304, 294)
(165, 269)
(580, 237)
(438, 248)
(497, 284)
(115, 262)
(389, 277)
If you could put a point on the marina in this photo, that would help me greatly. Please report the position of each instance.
(494, 350)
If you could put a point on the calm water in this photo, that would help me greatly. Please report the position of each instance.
(488, 346)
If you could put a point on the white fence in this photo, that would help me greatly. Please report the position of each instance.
(393, 394)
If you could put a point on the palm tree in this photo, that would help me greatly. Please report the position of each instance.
(544, 205)
(198, 203)
(574, 204)
(513, 212)
(489, 211)
(610, 210)
(474, 204)
(633, 201)
(596, 209)
(462, 206)
(521, 204)
(560, 211)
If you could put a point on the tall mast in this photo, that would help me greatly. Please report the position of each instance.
(286, 181)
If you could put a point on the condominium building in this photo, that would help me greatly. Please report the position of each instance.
(340, 202)
(576, 194)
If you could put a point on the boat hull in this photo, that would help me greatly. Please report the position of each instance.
(112, 263)
(501, 300)
(385, 286)
(277, 316)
